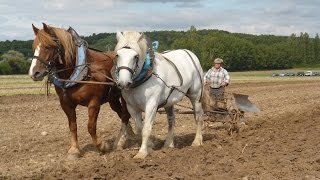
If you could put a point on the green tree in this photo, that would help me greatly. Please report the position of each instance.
(316, 49)
(12, 55)
(17, 62)
(5, 68)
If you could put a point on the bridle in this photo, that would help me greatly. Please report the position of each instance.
(131, 70)
(51, 62)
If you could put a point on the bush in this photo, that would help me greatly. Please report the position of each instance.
(5, 68)
(24, 67)
(13, 62)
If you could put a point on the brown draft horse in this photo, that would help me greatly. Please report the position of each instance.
(55, 50)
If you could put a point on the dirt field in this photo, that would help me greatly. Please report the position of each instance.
(280, 142)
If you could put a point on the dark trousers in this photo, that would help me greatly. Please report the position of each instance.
(217, 93)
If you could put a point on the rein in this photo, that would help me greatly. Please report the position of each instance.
(52, 73)
(86, 82)
(194, 64)
(172, 88)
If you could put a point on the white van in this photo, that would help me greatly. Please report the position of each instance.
(308, 73)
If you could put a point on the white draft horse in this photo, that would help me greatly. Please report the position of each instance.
(174, 74)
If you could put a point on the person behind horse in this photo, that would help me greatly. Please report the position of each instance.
(217, 78)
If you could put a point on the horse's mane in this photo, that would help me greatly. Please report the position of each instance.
(135, 41)
(64, 38)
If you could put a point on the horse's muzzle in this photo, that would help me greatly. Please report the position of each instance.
(38, 76)
(124, 85)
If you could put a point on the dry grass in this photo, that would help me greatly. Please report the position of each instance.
(20, 84)
(248, 79)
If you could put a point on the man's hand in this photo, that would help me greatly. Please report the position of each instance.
(223, 84)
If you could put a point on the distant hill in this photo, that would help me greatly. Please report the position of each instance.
(240, 51)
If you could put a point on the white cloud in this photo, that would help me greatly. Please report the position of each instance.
(76, 5)
(246, 16)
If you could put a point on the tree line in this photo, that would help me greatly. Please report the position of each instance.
(241, 52)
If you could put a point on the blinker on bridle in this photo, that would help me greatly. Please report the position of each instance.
(49, 63)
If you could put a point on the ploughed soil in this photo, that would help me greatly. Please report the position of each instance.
(280, 142)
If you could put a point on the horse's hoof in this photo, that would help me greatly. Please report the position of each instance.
(168, 145)
(101, 147)
(73, 157)
(196, 143)
(105, 147)
(121, 143)
(140, 155)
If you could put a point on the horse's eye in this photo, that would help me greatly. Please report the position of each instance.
(136, 57)
(46, 48)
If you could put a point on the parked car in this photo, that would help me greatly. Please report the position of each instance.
(282, 74)
(290, 74)
(300, 73)
(274, 74)
(315, 74)
(308, 73)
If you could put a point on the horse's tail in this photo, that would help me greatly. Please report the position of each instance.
(198, 71)
(206, 100)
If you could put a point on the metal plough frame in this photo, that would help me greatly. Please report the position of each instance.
(235, 116)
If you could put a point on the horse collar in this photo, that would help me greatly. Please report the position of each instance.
(80, 71)
(146, 70)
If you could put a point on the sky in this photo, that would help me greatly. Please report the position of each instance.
(276, 17)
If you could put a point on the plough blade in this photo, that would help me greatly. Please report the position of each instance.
(244, 104)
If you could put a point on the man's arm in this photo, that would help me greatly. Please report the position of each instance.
(226, 78)
(207, 76)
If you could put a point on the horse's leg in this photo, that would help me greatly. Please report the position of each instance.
(137, 116)
(150, 113)
(73, 152)
(126, 128)
(125, 117)
(171, 123)
(139, 125)
(93, 111)
(198, 115)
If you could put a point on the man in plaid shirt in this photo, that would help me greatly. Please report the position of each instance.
(217, 78)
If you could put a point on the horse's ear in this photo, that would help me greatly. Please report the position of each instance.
(35, 29)
(142, 36)
(119, 35)
(46, 28)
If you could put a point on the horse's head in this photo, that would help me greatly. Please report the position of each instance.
(51, 46)
(131, 51)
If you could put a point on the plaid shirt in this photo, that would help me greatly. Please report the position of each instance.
(216, 77)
